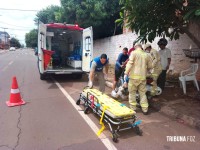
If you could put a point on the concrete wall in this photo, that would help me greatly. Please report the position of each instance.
(194, 32)
(112, 46)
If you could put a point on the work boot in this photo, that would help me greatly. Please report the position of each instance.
(145, 111)
(155, 99)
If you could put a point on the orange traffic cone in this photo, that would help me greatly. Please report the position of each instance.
(15, 97)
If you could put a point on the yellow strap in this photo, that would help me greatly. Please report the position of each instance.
(101, 121)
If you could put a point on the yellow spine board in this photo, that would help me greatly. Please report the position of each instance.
(113, 106)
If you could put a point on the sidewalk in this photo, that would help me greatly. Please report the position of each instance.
(185, 109)
(3, 51)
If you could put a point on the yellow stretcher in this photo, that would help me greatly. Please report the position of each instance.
(115, 114)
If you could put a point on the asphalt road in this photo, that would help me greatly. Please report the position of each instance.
(50, 120)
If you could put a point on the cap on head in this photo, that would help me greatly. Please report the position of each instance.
(138, 45)
(145, 46)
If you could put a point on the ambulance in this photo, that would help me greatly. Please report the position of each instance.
(64, 49)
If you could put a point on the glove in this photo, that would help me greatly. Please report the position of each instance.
(90, 84)
(122, 66)
(106, 76)
(125, 85)
(125, 77)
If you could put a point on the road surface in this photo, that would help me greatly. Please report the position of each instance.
(51, 120)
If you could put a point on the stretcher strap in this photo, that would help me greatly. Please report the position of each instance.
(136, 123)
(101, 121)
(98, 105)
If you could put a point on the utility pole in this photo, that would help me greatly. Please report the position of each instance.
(5, 35)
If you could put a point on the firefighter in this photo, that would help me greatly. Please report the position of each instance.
(157, 67)
(138, 65)
(97, 66)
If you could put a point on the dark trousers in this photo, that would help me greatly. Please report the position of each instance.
(161, 79)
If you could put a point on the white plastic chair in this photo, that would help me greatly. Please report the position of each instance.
(189, 75)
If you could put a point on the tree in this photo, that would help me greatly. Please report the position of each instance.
(50, 14)
(31, 38)
(192, 10)
(22, 46)
(152, 18)
(100, 14)
(15, 43)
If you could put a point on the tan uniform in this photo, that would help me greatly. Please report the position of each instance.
(137, 66)
(157, 69)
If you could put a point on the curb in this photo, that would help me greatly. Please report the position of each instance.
(3, 51)
(166, 110)
(181, 118)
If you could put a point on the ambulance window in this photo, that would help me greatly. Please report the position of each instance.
(42, 40)
(87, 43)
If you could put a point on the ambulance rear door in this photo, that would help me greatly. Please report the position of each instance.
(42, 29)
(87, 54)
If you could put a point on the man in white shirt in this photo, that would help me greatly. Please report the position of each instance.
(165, 55)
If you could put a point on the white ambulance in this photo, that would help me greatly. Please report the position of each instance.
(71, 45)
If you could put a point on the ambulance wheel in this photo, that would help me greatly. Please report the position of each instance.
(138, 131)
(86, 110)
(78, 102)
(114, 137)
(42, 76)
(77, 76)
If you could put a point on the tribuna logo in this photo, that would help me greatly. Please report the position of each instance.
(180, 138)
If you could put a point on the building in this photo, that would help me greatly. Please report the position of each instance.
(4, 40)
(113, 45)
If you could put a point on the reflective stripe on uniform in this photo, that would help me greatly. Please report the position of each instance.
(138, 77)
(14, 91)
(144, 105)
(155, 75)
(134, 103)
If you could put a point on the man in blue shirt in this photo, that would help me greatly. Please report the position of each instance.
(97, 66)
(119, 68)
